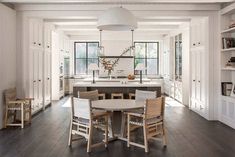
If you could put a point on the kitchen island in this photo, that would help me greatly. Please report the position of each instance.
(117, 86)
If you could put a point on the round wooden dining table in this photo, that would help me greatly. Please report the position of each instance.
(121, 105)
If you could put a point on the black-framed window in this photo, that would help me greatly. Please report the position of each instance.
(148, 54)
(85, 53)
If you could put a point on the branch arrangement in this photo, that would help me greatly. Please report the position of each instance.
(109, 64)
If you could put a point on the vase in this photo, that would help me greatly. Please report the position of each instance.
(109, 74)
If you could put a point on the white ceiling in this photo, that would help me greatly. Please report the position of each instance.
(117, 1)
(85, 21)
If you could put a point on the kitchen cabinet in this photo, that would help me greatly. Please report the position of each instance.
(198, 80)
(199, 53)
(48, 28)
(198, 32)
(36, 33)
(35, 71)
(36, 79)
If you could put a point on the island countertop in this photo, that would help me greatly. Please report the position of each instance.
(118, 84)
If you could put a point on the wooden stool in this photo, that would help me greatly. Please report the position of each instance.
(119, 95)
(101, 96)
(14, 105)
(131, 95)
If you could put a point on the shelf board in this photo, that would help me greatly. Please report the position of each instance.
(228, 50)
(230, 30)
(228, 69)
(228, 97)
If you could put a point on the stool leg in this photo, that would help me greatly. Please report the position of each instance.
(30, 113)
(6, 118)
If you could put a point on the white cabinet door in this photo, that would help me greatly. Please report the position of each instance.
(198, 75)
(40, 33)
(35, 79)
(47, 78)
(40, 78)
(193, 74)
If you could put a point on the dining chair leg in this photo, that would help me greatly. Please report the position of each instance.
(128, 131)
(145, 137)
(110, 125)
(22, 115)
(106, 131)
(70, 134)
(123, 125)
(89, 137)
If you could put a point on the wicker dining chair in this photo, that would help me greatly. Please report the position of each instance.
(152, 121)
(83, 120)
(92, 95)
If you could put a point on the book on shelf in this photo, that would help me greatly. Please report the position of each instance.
(226, 88)
(228, 43)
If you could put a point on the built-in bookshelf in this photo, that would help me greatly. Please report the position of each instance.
(227, 74)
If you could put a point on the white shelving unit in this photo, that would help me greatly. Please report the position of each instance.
(227, 105)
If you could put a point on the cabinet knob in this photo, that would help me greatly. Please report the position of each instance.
(39, 44)
(194, 44)
(34, 43)
(199, 43)
(199, 81)
(39, 80)
(48, 46)
(48, 78)
(34, 81)
(194, 80)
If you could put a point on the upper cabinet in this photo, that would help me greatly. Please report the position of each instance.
(47, 36)
(198, 33)
(36, 33)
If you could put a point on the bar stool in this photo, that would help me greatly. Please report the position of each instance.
(101, 96)
(117, 95)
(131, 95)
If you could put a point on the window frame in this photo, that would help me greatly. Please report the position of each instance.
(178, 69)
(86, 58)
(146, 58)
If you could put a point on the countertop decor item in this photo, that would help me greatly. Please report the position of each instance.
(140, 67)
(93, 67)
(109, 64)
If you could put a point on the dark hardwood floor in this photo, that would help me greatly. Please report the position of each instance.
(189, 135)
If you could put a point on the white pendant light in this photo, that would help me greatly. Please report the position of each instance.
(117, 19)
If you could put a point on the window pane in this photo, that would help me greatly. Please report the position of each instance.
(152, 50)
(92, 50)
(137, 61)
(152, 66)
(80, 66)
(80, 50)
(92, 60)
(140, 50)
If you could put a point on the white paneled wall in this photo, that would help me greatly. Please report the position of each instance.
(7, 52)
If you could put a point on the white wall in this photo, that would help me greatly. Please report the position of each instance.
(7, 52)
